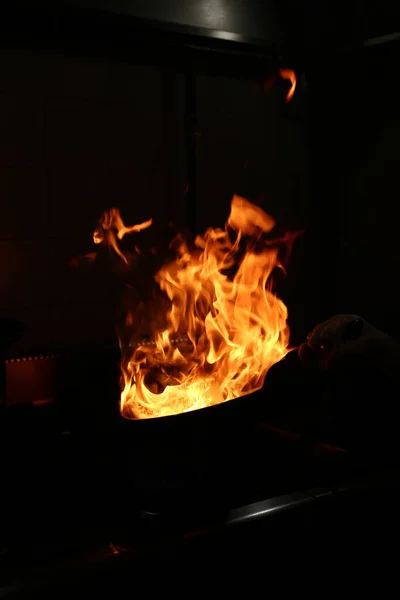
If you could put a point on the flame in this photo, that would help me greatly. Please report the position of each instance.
(223, 327)
(291, 76)
(112, 226)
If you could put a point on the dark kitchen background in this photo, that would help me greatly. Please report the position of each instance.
(160, 109)
(96, 113)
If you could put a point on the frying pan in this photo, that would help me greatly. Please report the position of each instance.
(318, 407)
(220, 431)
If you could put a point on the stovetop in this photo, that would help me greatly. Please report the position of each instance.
(59, 481)
(68, 490)
(86, 493)
(80, 501)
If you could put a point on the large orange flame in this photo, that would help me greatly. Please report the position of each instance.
(224, 326)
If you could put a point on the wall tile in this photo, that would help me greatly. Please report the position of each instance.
(69, 284)
(49, 328)
(21, 131)
(235, 110)
(77, 198)
(27, 73)
(76, 137)
(38, 328)
(240, 124)
(76, 324)
(94, 132)
(137, 193)
(23, 273)
(82, 78)
(23, 202)
(217, 169)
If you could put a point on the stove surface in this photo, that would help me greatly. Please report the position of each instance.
(66, 490)
(87, 494)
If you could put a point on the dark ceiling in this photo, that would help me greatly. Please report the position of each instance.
(277, 22)
(298, 32)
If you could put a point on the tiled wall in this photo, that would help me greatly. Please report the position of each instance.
(369, 256)
(248, 141)
(76, 136)
(358, 171)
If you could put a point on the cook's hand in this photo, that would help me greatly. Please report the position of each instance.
(347, 342)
